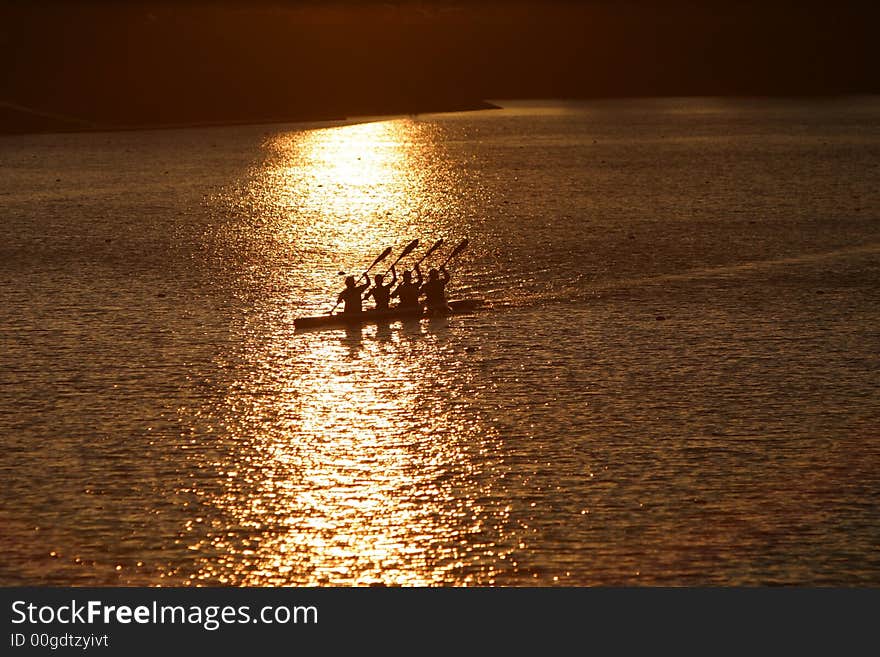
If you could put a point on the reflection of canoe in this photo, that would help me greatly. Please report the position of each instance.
(459, 307)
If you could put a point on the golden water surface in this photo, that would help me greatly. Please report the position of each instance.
(674, 379)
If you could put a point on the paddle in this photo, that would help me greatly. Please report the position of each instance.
(461, 247)
(409, 249)
(436, 246)
(381, 257)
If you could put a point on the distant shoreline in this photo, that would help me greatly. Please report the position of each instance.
(17, 120)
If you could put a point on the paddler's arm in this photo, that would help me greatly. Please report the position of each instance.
(393, 277)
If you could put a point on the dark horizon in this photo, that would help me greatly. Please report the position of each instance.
(80, 64)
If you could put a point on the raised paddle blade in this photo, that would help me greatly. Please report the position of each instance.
(436, 246)
(382, 256)
(409, 249)
(461, 247)
(406, 251)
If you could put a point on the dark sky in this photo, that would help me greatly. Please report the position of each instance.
(174, 62)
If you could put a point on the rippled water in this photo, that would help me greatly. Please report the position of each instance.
(676, 381)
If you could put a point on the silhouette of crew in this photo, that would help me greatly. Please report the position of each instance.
(382, 293)
(351, 295)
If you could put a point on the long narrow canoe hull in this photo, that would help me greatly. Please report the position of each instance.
(459, 307)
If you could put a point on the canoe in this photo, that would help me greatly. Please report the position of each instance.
(458, 307)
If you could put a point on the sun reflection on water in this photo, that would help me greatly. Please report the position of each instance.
(344, 467)
(358, 477)
(330, 200)
(352, 183)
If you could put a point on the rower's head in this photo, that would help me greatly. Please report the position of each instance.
(379, 278)
(433, 274)
(349, 281)
(407, 277)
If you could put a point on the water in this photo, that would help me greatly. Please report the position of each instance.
(676, 382)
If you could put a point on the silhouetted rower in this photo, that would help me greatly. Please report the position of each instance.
(382, 293)
(408, 290)
(351, 295)
(435, 290)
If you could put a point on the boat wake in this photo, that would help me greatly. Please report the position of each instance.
(584, 289)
